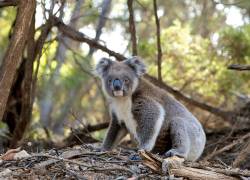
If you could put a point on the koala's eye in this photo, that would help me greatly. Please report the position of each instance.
(126, 80)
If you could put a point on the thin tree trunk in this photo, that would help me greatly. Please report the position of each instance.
(106, 5)
(158, 35)
(132, 29)
(13, 57)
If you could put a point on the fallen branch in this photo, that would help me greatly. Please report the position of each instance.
(239, 67)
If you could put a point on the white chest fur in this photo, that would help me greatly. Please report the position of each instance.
(122, 107)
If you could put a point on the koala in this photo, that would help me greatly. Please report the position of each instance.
(155, 120)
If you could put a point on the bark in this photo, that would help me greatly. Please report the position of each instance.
(106, 5)
(13, 57)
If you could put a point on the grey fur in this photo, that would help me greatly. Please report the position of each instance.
(157, 121)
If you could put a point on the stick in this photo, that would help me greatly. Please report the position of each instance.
(239, 67)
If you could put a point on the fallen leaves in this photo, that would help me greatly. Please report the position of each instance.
(14, 154)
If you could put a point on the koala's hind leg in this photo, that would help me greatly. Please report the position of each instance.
(180, 139)
(114, 134)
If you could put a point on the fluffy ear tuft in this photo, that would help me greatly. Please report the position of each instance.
(102, 66)
(137, 65)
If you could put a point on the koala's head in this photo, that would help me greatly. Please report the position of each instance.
(120, 79)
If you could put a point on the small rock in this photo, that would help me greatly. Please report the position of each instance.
(20, 155)
(5, 173)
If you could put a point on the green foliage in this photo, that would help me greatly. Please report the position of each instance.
(234, 44)
(191, 63)
(7, 16)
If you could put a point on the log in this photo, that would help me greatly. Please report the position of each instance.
(198, 174)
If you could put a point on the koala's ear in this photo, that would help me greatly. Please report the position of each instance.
(137, 65)
(102, 66)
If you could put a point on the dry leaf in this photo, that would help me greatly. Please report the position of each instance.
(9, 155)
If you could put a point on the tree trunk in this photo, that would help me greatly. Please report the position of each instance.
(13, 57)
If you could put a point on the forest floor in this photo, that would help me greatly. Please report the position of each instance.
(85, 162)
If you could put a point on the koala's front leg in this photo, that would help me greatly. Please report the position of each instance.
(149, 116)
(114, 134)
(180, 139)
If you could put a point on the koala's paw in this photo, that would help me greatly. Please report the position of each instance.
(174, 152)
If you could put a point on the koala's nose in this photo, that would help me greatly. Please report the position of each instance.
(117, 84)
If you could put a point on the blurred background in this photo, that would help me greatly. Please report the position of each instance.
(199, 40)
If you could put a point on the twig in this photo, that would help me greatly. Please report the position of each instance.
(91, 168)
(239, 67)
(229, 4)
(6, 3)
(158, 35)
(132, 29)
(242, 156)
(228, 147)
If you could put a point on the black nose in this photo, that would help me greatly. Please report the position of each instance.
(117, 84)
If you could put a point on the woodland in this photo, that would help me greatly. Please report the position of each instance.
(53, 113)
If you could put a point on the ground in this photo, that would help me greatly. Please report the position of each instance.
(85, 162)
